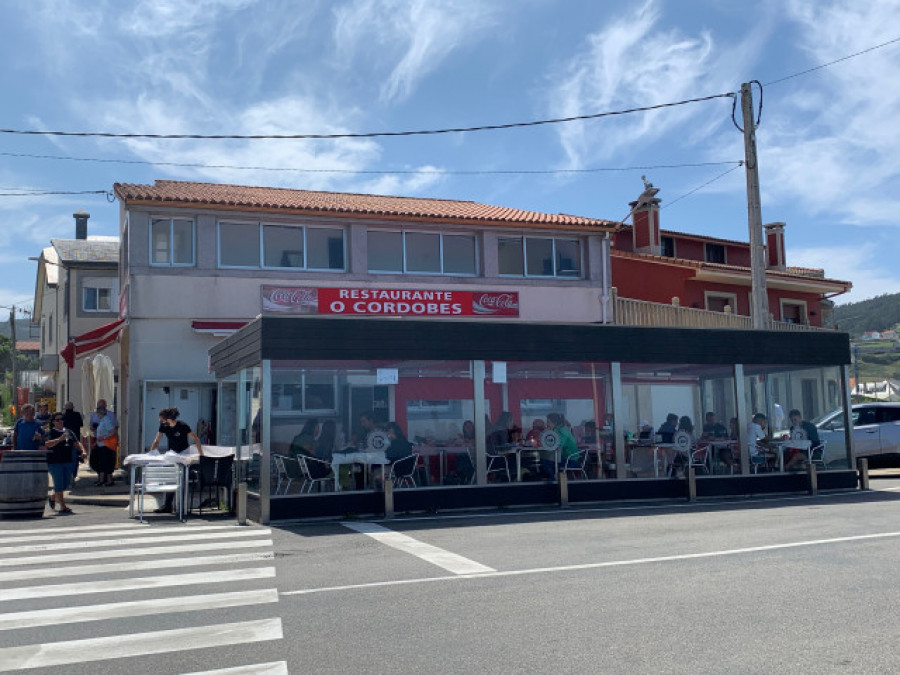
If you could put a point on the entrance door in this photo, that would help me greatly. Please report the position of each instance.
(186, 398)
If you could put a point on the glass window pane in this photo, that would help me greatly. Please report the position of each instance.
(423, 252)
(319, 392)
(509, 252)
(459, 254)
(103, 299)
(385, 252)
(183, 242)
(539, 254)
(159, 235)
(325, 248)
(90, 299)
(568, 258)
(282, 246)
(239, 244)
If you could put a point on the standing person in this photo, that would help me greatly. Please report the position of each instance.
(73, 421)
(28, 434)
(179, 437)
(103, 453)
(64, 451)
(43, 415)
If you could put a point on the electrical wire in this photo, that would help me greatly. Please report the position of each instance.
(697, 189)
(831, 63)
(44, 193)
(374, 134)
(363, 171)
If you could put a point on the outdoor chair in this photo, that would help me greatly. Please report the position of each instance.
(213, 474)
(159, 478)
(281, 477)
(315, 472)
(403, 471)
(577, 464)
(497, 464)
(292, 473)
(817, 455)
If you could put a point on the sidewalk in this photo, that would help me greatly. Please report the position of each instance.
(84, 491)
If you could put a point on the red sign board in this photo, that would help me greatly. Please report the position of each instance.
(387, 302)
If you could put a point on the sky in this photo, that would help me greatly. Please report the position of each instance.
(829, 152)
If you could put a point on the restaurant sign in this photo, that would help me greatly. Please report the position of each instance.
(387, 302)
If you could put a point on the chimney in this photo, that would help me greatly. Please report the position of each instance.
(81, 218)
(775, 246)
(645, 221)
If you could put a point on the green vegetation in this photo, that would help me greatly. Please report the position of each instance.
(879, 313)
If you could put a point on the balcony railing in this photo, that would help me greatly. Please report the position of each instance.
(629, 312)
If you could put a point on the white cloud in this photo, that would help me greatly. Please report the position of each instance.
(844, 158)
(849, 263)
(411, 37)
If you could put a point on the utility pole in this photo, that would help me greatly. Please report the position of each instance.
(759, 301)
(12, 354)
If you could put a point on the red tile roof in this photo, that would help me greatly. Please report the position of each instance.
(239, 197)
(28, 346)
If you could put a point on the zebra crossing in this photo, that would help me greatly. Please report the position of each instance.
(128, 597)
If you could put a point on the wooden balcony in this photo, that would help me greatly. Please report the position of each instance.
(629, 312)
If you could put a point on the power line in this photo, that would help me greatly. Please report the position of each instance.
(375, 134)
(697, 189)
(831, 63)
(362, 171)
(43, 193)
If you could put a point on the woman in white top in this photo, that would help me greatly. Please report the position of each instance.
(756, 440)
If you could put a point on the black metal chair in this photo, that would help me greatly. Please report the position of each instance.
(214, 473)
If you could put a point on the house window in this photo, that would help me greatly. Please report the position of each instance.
(539, 257)
(714, 253)
(793, 312)
(667, 246)
(277, 246)
(716, 302)
(171, 242)
(99, 294)
(298, 392)
(421, 253)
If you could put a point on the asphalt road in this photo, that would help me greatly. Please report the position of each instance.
(779, 585)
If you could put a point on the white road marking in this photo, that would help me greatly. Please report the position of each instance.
(432, 554)
(54, 557)
(163, 581)
(273, 668)
(122, 610)
(46, 531)
(139, 644)
(600, 565)
(127, 531)
(145, 541)
(133, 566)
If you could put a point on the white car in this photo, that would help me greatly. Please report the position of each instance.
(876, 434)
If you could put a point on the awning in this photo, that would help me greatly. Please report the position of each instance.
(217, 328)
(92, 341)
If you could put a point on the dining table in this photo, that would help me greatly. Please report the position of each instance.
(791, 444)
(369, 458)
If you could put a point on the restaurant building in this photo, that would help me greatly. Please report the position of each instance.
(434, 314)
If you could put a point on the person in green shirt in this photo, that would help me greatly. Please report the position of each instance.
(568, 448)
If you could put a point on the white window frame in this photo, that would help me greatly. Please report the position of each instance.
(783, 302)
(553, 240)
(732, 299)
(170, 249)
(440, 236)
(109, 284)
(260, 226)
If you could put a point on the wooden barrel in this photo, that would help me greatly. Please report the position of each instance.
(23, 484)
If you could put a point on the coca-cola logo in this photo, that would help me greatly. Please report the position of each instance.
(282, 299)
(498, 300)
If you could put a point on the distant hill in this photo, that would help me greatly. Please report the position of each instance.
(879, 313)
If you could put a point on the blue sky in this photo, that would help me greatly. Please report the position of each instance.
(829, 153)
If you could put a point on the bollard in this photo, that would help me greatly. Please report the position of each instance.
(863, 464)
(563, 489)
(388, 499)
(813, 478)
(691, 477)
(241, 504)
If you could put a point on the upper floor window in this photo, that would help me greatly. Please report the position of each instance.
(714, 253)
(540, 257)
(99, 294)
(421, 253)
(272, 246)
(171, 241)
(667, 246)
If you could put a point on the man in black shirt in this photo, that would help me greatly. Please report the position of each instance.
(179, 437)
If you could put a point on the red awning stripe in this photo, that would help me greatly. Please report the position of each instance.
(92, 341)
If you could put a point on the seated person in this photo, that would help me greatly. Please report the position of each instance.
(590, 433)
(399, 448)
(568, 448)
(533, 437)
(304, 443)
(713, 429)
(808, 432)
(757, 440)
(668, 428)
(645, 431)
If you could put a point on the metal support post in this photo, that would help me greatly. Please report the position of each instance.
(813, 479)
(241, 505)
(563, 489)
(863, 464)
(691, 477)
(388, 498)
